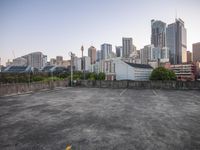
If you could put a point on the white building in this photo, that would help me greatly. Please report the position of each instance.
(36, 60)
(87, 63)
(77, 63)
(109, 69)
(98, 66)
(160, 53)
(146, 54)
(132, 71)
(119, 51)
(120, 69)
(53, 61)
(19, 62)
(106, 49)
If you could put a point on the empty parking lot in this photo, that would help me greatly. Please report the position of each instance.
(92, 118)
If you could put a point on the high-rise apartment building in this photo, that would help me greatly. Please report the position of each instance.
(106, 49)
(118, 51)
(196, 51)
(19, 62)
(165, 53)
(158, 33)
(127, 44)
(189, 57)
(36, 60)
(159, 53)
(52, 61)
(59, 60)
(176, 41)
(98, 57)
(146, 54)
(92, 54)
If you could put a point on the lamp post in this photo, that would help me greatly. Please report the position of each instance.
(71, 55)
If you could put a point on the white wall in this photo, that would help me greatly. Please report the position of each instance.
(126, 72)
(123, 71)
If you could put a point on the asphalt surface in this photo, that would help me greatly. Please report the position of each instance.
(92, 119)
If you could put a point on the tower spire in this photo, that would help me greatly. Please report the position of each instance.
(82, 49)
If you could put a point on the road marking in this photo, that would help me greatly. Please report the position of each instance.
(123, 92)
(154, 92)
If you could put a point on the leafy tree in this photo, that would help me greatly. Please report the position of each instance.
(101, 76)
(92, 76)
(162, 73)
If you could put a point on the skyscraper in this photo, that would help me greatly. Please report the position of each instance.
(98, 56)
(127, 44)
(176, 41)
(92, 54)
(106, 49)
(118, 51)
(82, 63)
(146, 54)
(36, 59)
(189, 56)
(19, 62)
(158, 33)
(196, 51)
(59, 60)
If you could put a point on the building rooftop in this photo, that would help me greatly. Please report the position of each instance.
(139, 65)
(17, 69)
(101, 119)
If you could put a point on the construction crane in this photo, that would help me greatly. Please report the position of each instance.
(13, 54)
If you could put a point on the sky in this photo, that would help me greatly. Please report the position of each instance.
(56, 27)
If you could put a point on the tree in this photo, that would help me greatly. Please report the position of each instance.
(92, 76)
(162, 73)
(101, 76)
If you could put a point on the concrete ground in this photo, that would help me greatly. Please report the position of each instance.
(92, 119)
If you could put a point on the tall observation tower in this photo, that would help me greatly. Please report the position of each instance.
(82, 63)
(82, 49)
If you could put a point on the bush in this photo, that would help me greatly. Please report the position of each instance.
(162, 73)
(37, 78)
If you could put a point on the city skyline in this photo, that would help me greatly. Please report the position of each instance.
(55, 28)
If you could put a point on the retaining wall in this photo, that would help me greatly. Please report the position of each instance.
(141, 84)
(17, 88)
(7, 89)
